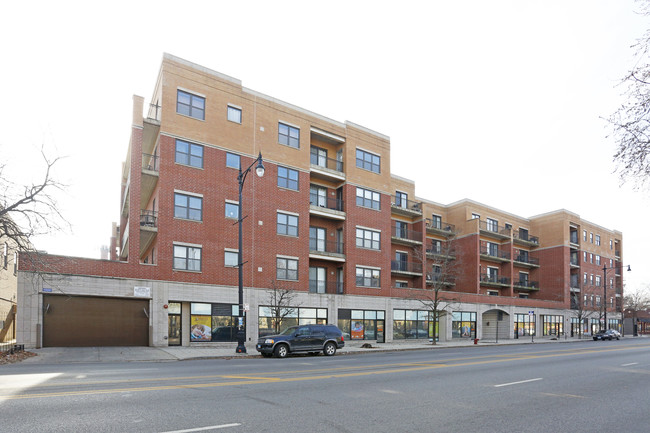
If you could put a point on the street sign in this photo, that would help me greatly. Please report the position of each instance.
(246, 307)
(531, 313)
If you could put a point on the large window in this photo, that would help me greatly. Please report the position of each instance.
(189, 154)
(275, 319)
(414, 324)
(553, 325)
(213, 322)
(368, 277)
(367, 198)
(232, 210)
(187, 258)
(524, 325)
(463, 324)
(492, 225)
(317, 196)
(288, 178)
(401, 199)
(231, 258)
(367, 238)
(190, 105)
(286, 268)
(368, 161)
(232, 160)
(362, 324)
(287, 224)
(188, 207)
(317, 279)
(234, 114)
(288, 135)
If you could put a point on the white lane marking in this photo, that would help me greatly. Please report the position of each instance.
(210, 427)
(627, 365)
(517, 383)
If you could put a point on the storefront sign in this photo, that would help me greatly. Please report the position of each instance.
(142, 292)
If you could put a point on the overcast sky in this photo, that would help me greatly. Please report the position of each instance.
(497, 101)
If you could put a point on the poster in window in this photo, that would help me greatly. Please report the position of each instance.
(357, 330)
(200, 329)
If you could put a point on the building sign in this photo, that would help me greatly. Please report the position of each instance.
(142, 292)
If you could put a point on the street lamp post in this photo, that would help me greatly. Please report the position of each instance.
(241, 334)
(604, 324)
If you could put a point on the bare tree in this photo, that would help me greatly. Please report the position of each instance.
(30, 210)
(637, 301)
(630, 123)
(440, 267)
(281, 301)
(584, 309)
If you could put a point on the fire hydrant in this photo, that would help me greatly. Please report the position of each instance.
(476, 341)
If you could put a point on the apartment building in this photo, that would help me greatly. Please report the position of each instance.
(328, 223)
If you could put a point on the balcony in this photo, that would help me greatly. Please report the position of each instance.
(574, 261)
(148, 229)
(439, 227)
(149, 178)
(406, 236)
(406, 268)
(151, 127)
(326, 287)
(573, 239)
(326, 250)
(493, 230)
(437, 251)
(523, 238)
(325, 168)
(617, 254)
(405, 207)
(526, 285)
(494, 280)
(326, 207)
(525, 260)
(494, 255)
(575, 283)
(438, 278)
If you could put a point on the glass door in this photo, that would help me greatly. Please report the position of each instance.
(174, 324)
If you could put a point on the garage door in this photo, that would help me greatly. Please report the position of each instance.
(80, 321)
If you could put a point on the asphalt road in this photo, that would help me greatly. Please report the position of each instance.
(580, 387)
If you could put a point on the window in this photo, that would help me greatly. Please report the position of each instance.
(401, 199)
(190, 105)
(492, 249)
(611, 244)
(492, 225)
(189, 154)
(508, 226)
(598, 240)
(436, 221)
(367, 198)
(591, 258)
(476, 216)
(286, 269)
(5, 253)
(436, 247)
(234, 114)
(597, 259)
(598, 280)
(317, 238)
(231, 258)
(401, 284)
(463, 324)
(317, 279)
(317, 196)
(367, 277)
(367, 161)
(523, 279)
(187, 258)
(288, 135)
(232, 160)
(493, 274)
(591, 279)
(584, 256)
(584, 235)
(287, 178)
(188, 207)
(287, 224)
(318, 156)
(591, 238)
(232, 210)
(611, 263)
(367, 238)
(584, 280)
(493, 293)
(597, 301)
(408, 324)
(401, 230)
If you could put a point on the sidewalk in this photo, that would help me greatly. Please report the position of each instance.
(66, 355)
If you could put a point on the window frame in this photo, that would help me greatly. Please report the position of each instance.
(234, 109)
(186, 257)
(190, 106)
(368, 279)
(189, 155)
(367, 237)
(230, 155)
(292, 135)
(229, 252)
(189, 197)
(370, 200)
(231, 203)
(286, 179)
(368, 161)
(289, 217)
(286, 268)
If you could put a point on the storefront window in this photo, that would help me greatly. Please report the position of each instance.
(463, 324)
(361, 324)
(553, 325)
(524, 325)
(269, 324)
(213, 322)
(415, 324)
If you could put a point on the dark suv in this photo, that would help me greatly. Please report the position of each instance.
(304, 338)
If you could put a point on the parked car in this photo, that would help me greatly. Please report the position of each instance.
(305, 338)
(608, 334)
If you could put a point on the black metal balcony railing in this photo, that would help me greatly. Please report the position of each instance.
(149, 162)
(495, 279)
(399, 202)
(527, 284)
(522, 258)
(155, 111)
(490, 226)
(440, 250)
(324, 246)
(326, 202)
(148, 218)
(524, 236)
(493, 252)
(439, 225)
(401, 266)
(325, 162)
(329, 287)
(402, 233)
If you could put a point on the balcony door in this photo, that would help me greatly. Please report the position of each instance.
(317, 196)
(317, 279)
(317, 239)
